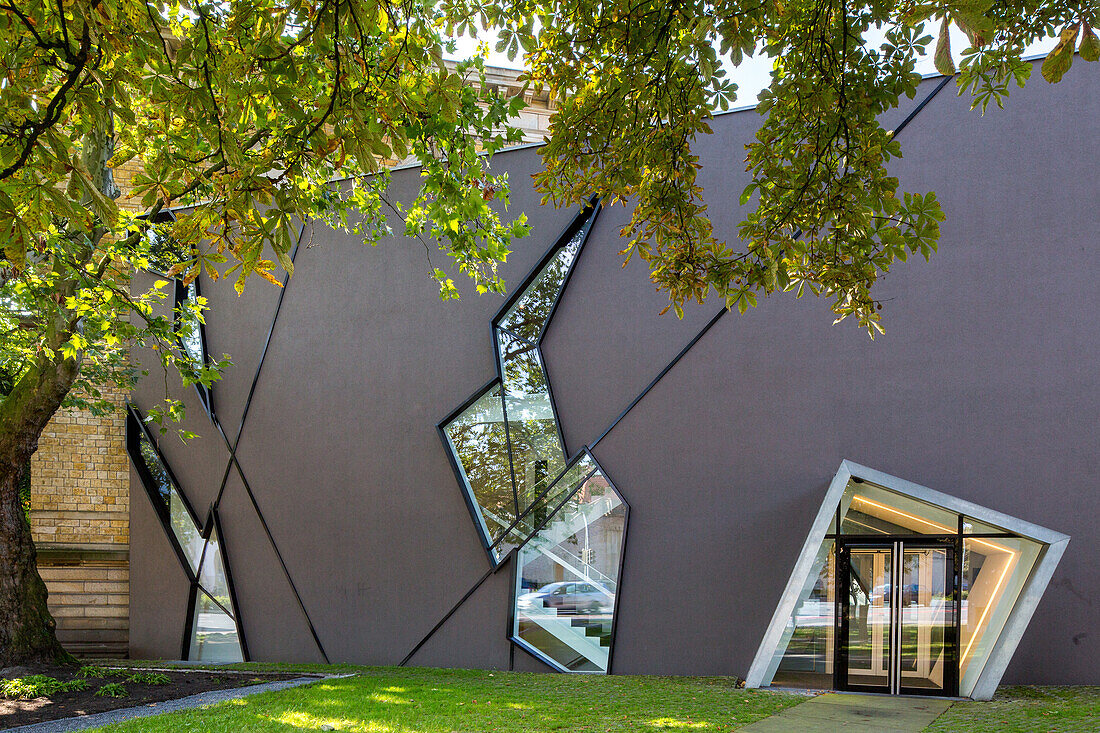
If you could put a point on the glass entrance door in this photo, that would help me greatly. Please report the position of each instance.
(896, 617)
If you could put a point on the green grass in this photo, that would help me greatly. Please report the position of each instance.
(1025, 710)
(399, 700)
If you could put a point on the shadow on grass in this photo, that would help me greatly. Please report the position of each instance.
(394, 700)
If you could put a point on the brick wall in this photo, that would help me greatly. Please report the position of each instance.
(80, 521)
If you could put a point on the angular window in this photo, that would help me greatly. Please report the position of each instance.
(214, 633)
(506, 443)
(172, 507)
(567, 574)
(918, 592)
(538, 455)
(191, 332)
(164, 252)
(994, 573)
(478, 440)
(561, 518)
(528, 316)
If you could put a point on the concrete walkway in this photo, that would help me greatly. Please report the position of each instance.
(848, 713)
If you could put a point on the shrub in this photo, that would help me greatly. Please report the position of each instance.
(38, 685)
(93, 671)
(111, 689)
(149, 678)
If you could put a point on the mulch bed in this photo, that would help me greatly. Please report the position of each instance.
(14, 713)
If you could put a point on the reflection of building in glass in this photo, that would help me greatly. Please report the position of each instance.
(906, 590)
(564, 517)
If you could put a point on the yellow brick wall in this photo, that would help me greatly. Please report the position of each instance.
(80, 518)
(80, 480)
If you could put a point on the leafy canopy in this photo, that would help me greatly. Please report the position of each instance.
(638, 80)
(254, 114)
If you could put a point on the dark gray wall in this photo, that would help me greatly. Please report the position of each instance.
(985, 386)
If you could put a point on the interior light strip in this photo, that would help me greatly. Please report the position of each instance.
(948, 530)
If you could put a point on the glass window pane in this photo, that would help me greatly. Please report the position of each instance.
(973, 526)
(212, 573)
(213, 633)
(185, 530)
(805, 656)
(567, 579)
(870, 509)
(528, 315)
(870, 610)
(994, 574)
(927, 617)
(581, 469)
(180, 520)
(479, 442)
(190, 329)
(164, 251)
(538, 455)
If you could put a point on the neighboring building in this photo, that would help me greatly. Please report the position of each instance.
(390, 481)
(80, 514)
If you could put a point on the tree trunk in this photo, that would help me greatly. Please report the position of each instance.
(26, 626)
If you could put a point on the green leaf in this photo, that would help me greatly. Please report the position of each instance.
(944, 63)
(1090, 44)
(1058, 61)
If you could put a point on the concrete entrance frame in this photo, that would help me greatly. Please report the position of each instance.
(766, 661)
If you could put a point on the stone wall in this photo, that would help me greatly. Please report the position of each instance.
(80, 520)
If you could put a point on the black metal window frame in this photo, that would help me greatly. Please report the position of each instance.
(582, 224)
(526, 646)
(136, 429)
(181, 296)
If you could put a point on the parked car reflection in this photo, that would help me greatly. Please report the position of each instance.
(568, 597)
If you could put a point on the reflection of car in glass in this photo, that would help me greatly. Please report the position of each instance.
(567, 597)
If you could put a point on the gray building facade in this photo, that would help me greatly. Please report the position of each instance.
(383, 477)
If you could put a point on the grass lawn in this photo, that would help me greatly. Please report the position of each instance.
(1025, 710)
(400, 700)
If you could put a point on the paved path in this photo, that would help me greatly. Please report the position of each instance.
(85, 722)
(847, 713)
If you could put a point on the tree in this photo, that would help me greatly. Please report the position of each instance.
(638, 80)
(247, 111)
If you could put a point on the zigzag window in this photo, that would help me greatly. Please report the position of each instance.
(561, 518)
(214, 633)
(567, 574)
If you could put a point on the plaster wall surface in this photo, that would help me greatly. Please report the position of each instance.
(984, 386)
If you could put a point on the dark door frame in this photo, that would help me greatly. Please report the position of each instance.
(897, 544)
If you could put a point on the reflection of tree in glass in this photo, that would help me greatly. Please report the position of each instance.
(481, 444)
(164, 251)
(537, 452)
(528, 315)
(156, 470)
(189, 330)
